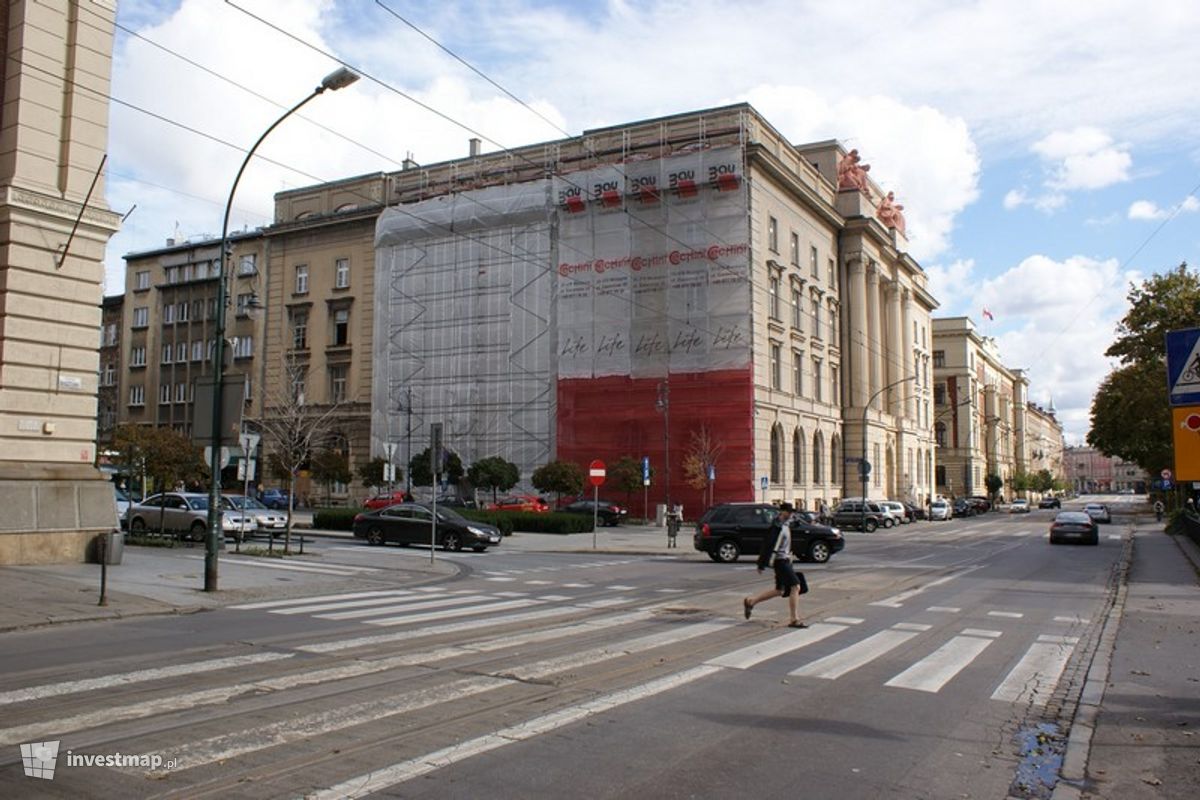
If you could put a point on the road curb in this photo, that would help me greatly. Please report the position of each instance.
(1073, 774)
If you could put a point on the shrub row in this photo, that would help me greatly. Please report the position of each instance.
(342, 519)
(335, 519)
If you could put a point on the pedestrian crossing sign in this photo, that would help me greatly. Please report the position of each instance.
(1183, 367)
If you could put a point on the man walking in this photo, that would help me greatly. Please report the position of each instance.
(777, 551)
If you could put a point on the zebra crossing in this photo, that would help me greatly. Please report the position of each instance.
(502, 639)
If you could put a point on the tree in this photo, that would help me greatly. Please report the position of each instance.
(164, 455)
(330, 466)
(703, 452)
(994, 483)
(625, 476)
(559, 477)
(370, 473)
(494, 473)
(1130, 413)
(290, 428)
(418, 468)
(1020, 481)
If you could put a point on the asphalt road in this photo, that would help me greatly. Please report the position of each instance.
(932, 649)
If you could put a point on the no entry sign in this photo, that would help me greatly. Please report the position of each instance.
(596, 473)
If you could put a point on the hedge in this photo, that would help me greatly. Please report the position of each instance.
(335, 519)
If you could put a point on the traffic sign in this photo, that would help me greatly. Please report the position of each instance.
(596, 473)
(646, 469)
(1183, 367)
(764, 483)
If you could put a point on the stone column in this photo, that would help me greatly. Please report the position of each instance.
(855, 332)
(910, 362)
(896, 351)
(874, 348)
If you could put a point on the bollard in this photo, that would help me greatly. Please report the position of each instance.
(102, 550)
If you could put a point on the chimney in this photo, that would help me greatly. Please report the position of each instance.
(408, 162)
(475, 145)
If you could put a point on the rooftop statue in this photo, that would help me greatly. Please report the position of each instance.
(890, 212)
(852, 174)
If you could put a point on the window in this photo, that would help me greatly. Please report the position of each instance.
(141, 317)
(773, 234)
(181, 392)
(835, 386)
(773, 297)
(797, 372)
(795, 250)
(247, 395)
(939, 433)
(243, 303)
(164, 394)
(798, 449)
(831, 279)
(141, 280)
(337, 384)
(137, 395)
(168, 314)
(301, 279)
(181, 313)
(246, 265)
(298, 380)
(137, 356)
(198, 310)
(835, 461)
(816, 362)
(110, 334)
(243, 347)
(777, 454)
(172, 275)
(167, 351)
(341, 327)
(775, 377)
(816, 318)
(812, 262)
(797, 309)
(299, 329)
(197, 350)
(939, 358)
(109, 376)
(181, 353)
(187, 273)
(818, 458)
(341, 273)
(939, 394)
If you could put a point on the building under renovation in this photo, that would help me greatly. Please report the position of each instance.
(694, 290)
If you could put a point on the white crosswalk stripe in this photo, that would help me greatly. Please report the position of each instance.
(934, 671)
(850, 658)
(1034, 677)
(416, 604)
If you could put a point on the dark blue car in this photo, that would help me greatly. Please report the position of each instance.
(274, 498)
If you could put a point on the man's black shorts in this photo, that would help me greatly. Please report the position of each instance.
(786, 577)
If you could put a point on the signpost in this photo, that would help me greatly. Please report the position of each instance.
(596, 475)
(435, 467)
(646, 488)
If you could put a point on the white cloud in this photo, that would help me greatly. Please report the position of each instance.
(1015, 198)
(1149, 210)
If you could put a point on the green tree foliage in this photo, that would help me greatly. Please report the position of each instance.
(1130, 413)
(328, 467)
(994, 483)
(162, 455)
(1020, 481)
(494, 473)
(559, 477)
(370, 473)
(625, 476)
(418, 468)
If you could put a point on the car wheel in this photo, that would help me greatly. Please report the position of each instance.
(870, 525)
(728, 551)
(714, 557)
(819, 552)
(452, 541)
(478, 549)
(137, 526)
(1095, 540)
(374, 536)
(1053, 540)
(198, 530)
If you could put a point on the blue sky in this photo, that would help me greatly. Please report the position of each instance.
(1045, 153)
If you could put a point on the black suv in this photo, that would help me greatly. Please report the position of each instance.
(850, 514)
(728, 530)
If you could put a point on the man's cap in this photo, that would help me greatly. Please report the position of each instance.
(786, 507)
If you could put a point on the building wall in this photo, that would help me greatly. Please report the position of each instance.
(53, 132)
(109, 394)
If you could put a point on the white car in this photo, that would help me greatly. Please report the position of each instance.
(895, 510)
(1019, 506)
(940, 510)
(264, 520)
(1098, 512)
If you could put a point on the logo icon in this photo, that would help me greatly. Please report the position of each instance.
(39, 758)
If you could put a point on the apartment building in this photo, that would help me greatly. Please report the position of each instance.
(108, 405)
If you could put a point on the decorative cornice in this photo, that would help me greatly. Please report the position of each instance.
(64, 209)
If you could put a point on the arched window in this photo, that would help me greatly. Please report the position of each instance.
(939, 433)
(798, 456)
(835, 460)
(818, 458)
(776, 454)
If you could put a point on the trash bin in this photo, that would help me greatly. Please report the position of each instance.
(110, 547)
(660, 515)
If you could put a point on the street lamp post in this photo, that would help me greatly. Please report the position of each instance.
(862, 465)
(338, 79)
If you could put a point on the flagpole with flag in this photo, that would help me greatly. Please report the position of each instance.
(988, 315)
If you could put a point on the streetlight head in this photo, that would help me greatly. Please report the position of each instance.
(340, 78)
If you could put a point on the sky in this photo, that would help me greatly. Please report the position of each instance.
(1045, 153)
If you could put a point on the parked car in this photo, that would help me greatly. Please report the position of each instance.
(454, 501)
(940, 510)
(1074, 526)
(915, 512)
(520, 502)
(896, 511)
(412, 523)
(1050, 502)
(123, 503)
(852, 514)
(728, 530)
(385, 499)
(982, 504)
(274, 498)
(184, 513)
(265, 520)
(1098, 511)
(1019, 506)
(607, 512)
(963, 507)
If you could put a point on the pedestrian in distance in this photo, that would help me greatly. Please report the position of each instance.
(1158, 510)
(777, 553)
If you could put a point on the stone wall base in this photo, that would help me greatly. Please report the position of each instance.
(52, 512)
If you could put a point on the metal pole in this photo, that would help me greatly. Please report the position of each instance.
(335, 80)
(408, 450)
(595, 512)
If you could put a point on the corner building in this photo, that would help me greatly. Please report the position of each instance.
(641, 288)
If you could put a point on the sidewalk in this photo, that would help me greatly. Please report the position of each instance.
(1136, 733)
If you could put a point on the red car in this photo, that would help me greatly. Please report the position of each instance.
(383, 500)
(520, 502)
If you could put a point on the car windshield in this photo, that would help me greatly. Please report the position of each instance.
(245, 503)
(450, 515)
(198, 503)
(1072, 516)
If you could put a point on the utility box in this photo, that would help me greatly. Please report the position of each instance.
(110, 547)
